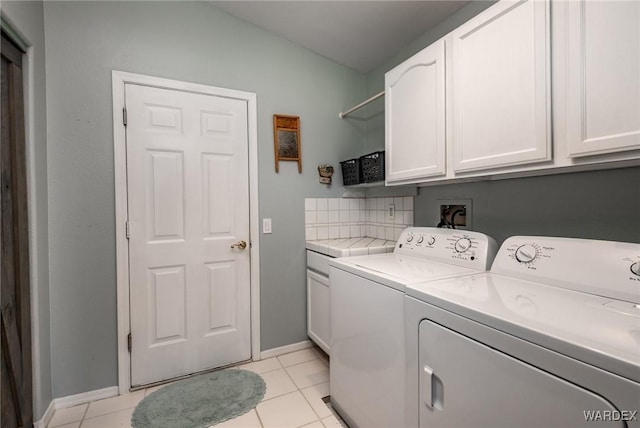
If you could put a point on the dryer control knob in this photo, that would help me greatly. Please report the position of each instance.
(463, 244)
(431, 240)
(635, 268)
(420, 239)
(526, 253)
(409, 238)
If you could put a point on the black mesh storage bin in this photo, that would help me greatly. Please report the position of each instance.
(351, 172)
(372, 166)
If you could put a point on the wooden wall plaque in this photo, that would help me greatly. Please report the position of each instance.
(286, 139)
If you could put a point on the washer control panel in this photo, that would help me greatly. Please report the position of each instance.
(527, 253)
(460, 247)
(605, 268)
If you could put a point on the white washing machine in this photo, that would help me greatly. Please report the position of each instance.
(550, 337)
(367, 329)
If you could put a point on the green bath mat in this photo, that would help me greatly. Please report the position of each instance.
(200, 401)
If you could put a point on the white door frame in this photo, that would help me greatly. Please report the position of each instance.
(119, 79)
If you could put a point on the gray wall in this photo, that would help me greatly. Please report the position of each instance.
(194, 42)
(26, 19)
(594, 205)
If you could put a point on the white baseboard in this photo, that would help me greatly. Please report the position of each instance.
(46, 418)
(85, 397)
(74, 400)
(274, 352)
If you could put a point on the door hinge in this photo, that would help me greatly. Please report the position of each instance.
(129, 342)
(124, 116)
(126, 229)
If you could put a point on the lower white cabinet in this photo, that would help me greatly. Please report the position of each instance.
(318, 309)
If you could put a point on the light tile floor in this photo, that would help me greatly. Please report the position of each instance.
(296, 384)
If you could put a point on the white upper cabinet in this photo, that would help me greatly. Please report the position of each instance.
(500, 107)
(603, 77)
(493, 111)
(415, 117)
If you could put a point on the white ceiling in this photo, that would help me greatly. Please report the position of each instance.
(359, 34)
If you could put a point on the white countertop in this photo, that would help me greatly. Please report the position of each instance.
(346, 247)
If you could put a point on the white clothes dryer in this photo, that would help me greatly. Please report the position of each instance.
(367, 330)
(550, 337)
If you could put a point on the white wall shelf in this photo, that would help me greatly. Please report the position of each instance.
(378, 189)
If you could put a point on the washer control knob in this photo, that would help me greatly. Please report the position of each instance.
(409, 238)
(526, 253)
(420, 239)
(635, 268)
(463, 244)
(431, 240)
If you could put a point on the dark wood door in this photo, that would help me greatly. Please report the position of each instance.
(14, 267)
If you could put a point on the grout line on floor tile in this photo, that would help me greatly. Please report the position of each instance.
(84, 414)
(310, 405)
(294, 382)
(258, 415)
(84, 418)
(268, 371)
(301, 362)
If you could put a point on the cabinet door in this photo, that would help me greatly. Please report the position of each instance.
(415, 116)
(501, 90)
(318, 310)
(603, 77)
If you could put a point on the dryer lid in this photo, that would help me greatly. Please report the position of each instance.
(597, 330)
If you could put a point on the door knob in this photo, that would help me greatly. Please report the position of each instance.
(241, 245)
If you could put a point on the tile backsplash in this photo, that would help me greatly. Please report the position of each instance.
(330, 218)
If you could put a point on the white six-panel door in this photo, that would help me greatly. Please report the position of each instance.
(188, 201)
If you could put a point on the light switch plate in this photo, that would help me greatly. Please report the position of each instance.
(266, 225)
(391, 212)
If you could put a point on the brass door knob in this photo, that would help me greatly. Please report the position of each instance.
(241, 245)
